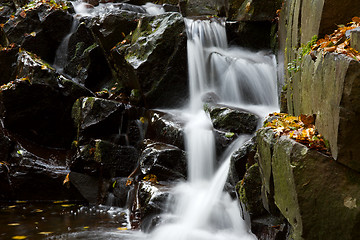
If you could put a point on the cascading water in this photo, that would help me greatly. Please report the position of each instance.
(241, 79)
(200, 209)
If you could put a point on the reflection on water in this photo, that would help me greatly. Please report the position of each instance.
(63, 220)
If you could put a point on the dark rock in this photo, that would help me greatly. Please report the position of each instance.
(242, 159)
(304, 196)
(107, 120)
(86, 61)
(35, 178)
(8, 57)
(242, 34)
(231, 119)
(3, 39)
(113, 26)
(157, 56)
(41, 31)
(87, 186)
(249, 190)
(270, 227)
(258, 10)
(105, 160)
(6, 9)
(211, 7)
(153, 199)
(165, 161)
(38, 104)
(164, 127)
(121, 191)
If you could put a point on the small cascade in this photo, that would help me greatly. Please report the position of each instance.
(61, 56)
(239, 78)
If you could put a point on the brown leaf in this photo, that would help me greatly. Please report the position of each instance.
(308, 120)
(356, 19)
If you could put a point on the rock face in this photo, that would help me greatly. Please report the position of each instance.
(314, 204)
(165, 161)
(327, 86)
(39, 29)
(37, 105)
(156, 60)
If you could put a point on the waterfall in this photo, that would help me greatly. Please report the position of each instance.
(202, 210)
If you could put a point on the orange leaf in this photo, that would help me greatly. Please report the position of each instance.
(356, 19)
(23, 14)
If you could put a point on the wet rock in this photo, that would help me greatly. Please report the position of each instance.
(86, 60)
(241, 160)
(304, 196)
(249, 190)
(165, 127)
(40, 31)
(153, 199)
(35, 178)
(8, 57)
(157, 55)
(107, 120)
(113, 26)
(258, 10)
(6, 9)
(105, 159)
(270, 227)
(232, 120)
(121, 191)
(211, 7)
(88, 186)
(165, 161)
(38, 104)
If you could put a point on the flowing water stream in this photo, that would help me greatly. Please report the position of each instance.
(200, 209)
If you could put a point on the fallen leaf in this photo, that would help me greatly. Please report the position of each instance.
(356, 19)
(66, 180)
(19, 237)
(13, 224)
(45, 233)
(122, 228)
(23, 14)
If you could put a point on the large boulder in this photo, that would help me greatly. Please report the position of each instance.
(232, 120)
(37, 105)
(314, 204)
(166, 128)
(104, 159)
(156, 53)
(97, 118)
(84, 60)
(165, 161)
(39, 28)
(35, 178)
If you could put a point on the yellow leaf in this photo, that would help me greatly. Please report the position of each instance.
(43, 67)
(67, 205)
(45, 233)
(33, 34)
(13, 206)
(39, 210)
(150, 178)
(18, 201)
(13, 224)
(19, 237)
(86, 227)
(122, 228)
(66, 180)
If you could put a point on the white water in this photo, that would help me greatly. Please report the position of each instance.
(202, 210)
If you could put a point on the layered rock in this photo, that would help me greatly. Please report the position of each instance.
(324, 85)
(314, 204)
